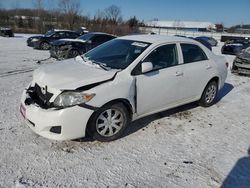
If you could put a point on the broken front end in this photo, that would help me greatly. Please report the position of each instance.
(241, 64)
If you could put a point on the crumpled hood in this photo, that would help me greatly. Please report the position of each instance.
(66, 42)
(70, 74)
(244, 55)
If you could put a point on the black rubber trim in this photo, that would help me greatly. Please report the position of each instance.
(88, 107)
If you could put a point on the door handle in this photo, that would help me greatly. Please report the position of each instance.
(179, 73)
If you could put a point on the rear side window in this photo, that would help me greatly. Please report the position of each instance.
(99, 39)
(71, 35)
(163, 57)
(192, 53)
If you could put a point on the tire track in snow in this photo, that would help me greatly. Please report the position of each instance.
(15, 72)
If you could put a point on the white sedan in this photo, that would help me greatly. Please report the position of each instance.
(102, 91)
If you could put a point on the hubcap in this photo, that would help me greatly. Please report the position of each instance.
(45, 46)
(210, 94)
(109, 122)
(73, 53)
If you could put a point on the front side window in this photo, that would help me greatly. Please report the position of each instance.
(163, 57)
(118, 53)
(192, 53)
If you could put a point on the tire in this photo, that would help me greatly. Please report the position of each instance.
(209, 94)
(44, 46)
(100, 126)
(73, 53)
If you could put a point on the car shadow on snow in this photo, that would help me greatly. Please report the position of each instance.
(239, 176)
(227, 88)
(143, 122)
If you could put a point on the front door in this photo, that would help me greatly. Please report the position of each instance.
(159, 88)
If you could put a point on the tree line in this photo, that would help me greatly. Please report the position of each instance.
(68, 15)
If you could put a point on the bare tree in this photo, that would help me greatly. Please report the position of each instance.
(113, 13)
(39, 4)
(71, 9)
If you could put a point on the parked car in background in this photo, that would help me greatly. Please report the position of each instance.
(120, 81)
(6, 32)
(200, 40)
(69, 48)
(82, 31)
(204, 42)
(43, 41)
(235, 47)
(241, 64)
(232, 38)
(210, 40)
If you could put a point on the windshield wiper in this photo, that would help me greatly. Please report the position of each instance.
(102, 65)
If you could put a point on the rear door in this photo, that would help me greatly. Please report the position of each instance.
(197, 71)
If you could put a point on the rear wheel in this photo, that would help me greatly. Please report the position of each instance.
(44, 46)
(209, 94)
(109, 122)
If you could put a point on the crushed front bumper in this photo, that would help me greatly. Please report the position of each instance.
(56, 124)
(241, 66)
(57, 53)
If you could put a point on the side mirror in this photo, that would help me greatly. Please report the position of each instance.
(146, 67)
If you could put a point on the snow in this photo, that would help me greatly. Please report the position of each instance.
(189, 146)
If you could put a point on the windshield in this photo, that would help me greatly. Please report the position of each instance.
(117, 54)
(49, 33)
(86, 37)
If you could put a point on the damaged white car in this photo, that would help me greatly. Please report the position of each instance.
(127, 78)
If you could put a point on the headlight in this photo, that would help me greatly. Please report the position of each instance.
(34, 40)
(70, 98)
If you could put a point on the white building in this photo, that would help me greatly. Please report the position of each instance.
(182, 25)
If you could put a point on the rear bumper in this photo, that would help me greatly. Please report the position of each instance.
(72, 121)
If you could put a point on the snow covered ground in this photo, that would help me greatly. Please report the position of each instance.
(189, 146)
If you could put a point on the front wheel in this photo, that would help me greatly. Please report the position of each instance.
(109, 123)
(209, 94)
(44, 46)
(73, 53)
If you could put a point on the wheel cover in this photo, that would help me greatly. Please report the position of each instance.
(210, 94)
(74, 53)
(109, 122)
(45, 46)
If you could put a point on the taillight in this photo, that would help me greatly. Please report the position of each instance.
(227, 64)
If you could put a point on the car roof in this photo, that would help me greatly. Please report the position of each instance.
(5, 28)
(156, 39)
(62, 30)
(101, 33)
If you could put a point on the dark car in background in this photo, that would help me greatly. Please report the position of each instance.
(69, 48)
(241, 64)
(235, 47)
(6, 32)
(204, 42)
(210, 40)
(200, 40)
(43, 42)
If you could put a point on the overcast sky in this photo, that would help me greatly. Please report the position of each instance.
(229, 12)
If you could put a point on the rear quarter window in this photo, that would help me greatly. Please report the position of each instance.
(192, 53)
